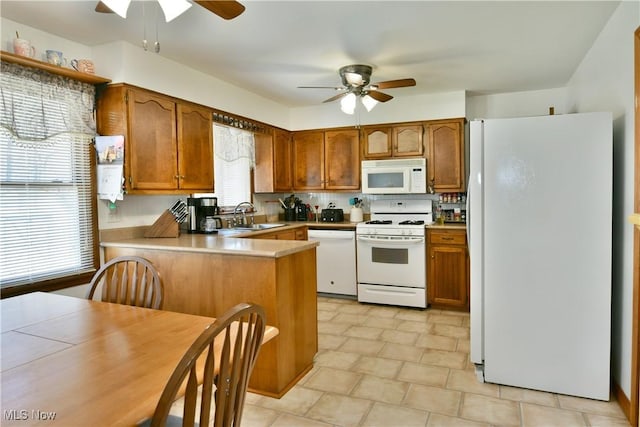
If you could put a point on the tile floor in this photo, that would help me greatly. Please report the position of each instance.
(388, 366)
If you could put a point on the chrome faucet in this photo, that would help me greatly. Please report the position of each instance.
(244, 213)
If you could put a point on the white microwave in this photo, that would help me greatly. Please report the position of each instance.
(395, 176)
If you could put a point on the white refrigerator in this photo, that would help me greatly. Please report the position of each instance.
(540, 202)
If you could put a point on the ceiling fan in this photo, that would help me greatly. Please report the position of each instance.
(226, 9)
(356, 83)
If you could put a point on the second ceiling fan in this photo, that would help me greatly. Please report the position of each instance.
(356, 83)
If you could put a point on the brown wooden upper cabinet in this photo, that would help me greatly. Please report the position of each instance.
(195, 147)
(273, 162)
(445, 165)
(326, 160)
(405, 140)
(168, 143)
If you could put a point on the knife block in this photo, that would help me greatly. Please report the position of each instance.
(165, 226)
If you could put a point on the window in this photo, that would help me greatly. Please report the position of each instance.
(46, 199)
(233, 160)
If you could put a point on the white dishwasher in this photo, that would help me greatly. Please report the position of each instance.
(336, 261)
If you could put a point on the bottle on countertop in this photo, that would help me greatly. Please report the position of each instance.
(439, 215)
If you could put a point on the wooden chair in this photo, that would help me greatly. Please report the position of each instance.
(129, 280)
(225, 354)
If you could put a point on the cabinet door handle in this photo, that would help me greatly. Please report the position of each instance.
(447, 238)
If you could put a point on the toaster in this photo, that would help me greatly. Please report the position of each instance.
(332, 215)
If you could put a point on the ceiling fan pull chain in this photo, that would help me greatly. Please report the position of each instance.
(156, 45)
(145, 45)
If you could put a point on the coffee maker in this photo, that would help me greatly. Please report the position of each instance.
(203, 214)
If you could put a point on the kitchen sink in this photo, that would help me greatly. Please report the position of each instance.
(256, 227)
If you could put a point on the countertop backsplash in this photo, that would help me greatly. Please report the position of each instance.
(263, 202)
(139, 210)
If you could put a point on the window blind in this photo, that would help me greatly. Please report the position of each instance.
(46, 201)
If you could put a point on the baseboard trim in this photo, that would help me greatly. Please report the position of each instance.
(622, 399)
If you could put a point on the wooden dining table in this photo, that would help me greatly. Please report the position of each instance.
(68, 361)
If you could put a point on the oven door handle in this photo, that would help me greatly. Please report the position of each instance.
(396, 241)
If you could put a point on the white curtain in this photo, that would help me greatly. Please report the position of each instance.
(234, 158)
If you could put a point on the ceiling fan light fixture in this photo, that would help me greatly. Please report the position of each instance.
(348, 103)
(118, 6)
(173, 8)
(353, 79)
(355, 75)
(369, 102)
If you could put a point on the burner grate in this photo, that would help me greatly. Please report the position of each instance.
(411, 222)
(379, 221)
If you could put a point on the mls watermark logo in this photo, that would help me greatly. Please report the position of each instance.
(26, 415)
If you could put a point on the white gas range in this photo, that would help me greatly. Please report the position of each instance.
(392, 253)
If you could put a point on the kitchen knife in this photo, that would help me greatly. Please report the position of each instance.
(175, 207)
(182, 218)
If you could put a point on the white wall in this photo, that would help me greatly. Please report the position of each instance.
(604, 81)
(517, 104)
(79, 291)
(402, 109)
(41, 41)
(124, 62)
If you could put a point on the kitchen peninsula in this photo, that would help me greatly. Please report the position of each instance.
(207, 274)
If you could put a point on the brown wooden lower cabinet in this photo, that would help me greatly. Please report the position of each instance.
(209, 284)
(447, 269)
(295, 234)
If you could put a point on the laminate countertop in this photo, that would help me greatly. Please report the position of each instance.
(352, 225)
(239, 242)
(227, 241)
(451, 226)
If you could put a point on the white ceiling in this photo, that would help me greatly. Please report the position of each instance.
(274, 46)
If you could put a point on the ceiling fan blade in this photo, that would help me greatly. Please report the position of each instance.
(395, 83)
(336, 97)
(379, 96)
(226, 9)
(103, 8)
(321, 87)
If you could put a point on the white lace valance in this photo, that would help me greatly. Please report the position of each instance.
(231, 144)
(27, 93)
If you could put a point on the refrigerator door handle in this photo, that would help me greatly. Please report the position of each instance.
(468, 205)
